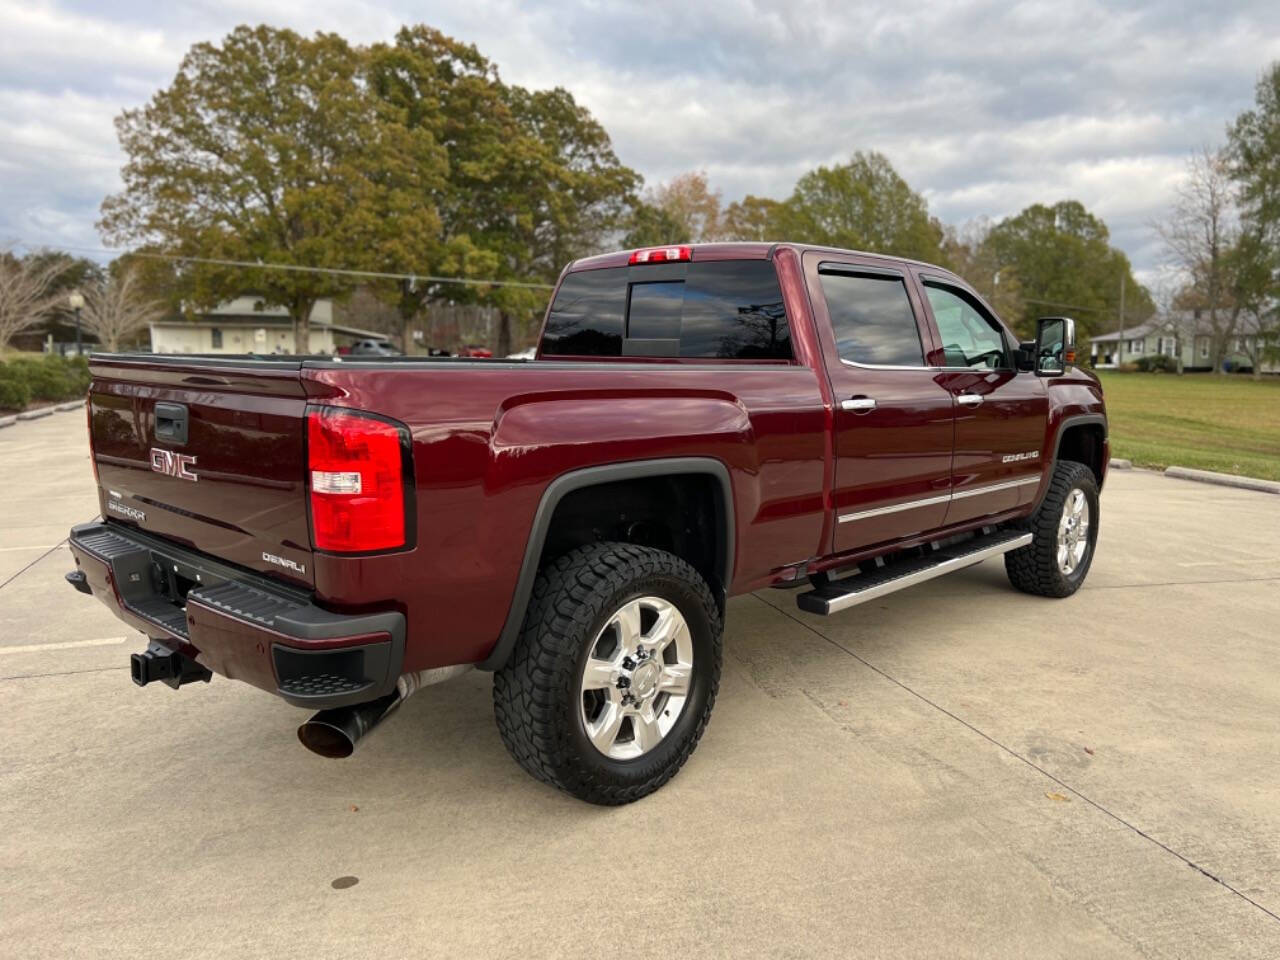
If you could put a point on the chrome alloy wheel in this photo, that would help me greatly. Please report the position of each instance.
(1073, 531)
(637, 678)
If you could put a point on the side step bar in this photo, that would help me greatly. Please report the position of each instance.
(842, 594)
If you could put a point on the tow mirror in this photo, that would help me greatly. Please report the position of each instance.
(1055, 346)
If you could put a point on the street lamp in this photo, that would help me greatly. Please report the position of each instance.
(77, 303)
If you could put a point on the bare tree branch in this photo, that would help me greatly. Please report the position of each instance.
(117, 307)
(25, 293)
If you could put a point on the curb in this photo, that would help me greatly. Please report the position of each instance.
(1115, 464)
(1224, 479)
(13, 418)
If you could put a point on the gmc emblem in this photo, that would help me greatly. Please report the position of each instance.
(173, 464)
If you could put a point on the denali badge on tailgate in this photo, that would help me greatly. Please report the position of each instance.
(173, 464)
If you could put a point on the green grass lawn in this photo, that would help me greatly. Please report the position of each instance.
(1226, 423)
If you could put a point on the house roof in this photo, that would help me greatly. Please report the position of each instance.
(1180, 322)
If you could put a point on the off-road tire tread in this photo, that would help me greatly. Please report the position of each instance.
(538, 682)
(1034, 568)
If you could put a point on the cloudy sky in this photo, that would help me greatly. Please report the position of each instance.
(983, 107)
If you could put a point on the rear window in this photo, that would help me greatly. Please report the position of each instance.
(728, 309)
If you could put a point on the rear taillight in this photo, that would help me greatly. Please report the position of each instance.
(357, 473)
(662, 255)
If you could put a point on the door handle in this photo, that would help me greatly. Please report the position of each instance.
(969, 399)
(859, 404)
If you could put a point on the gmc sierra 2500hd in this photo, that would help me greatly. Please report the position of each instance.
(699, 422)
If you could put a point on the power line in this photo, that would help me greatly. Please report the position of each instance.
(1064, 306)
(336, 271)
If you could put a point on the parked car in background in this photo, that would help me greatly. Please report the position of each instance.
(373, 348)
(700, 422)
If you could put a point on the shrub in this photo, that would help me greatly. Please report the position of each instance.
(47, 379)
(14, 393)
(1157, 364)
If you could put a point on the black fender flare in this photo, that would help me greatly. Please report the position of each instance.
(1079, 420)
(567, 483)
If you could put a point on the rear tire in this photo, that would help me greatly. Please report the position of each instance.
(613, 677)
(1064, 530)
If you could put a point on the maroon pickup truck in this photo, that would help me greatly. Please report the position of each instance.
(699, 422)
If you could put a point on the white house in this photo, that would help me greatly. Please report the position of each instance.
(247, 325)
(1181, 332)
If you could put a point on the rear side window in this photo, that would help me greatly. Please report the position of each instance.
(872, 319)
(729, 309)
(587, 317)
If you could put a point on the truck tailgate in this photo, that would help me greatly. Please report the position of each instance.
(210, 453)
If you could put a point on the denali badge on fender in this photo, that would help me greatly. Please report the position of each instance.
(173, 464)
(284, 562)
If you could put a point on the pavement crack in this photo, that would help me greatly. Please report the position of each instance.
(1173, 583)
(60, 543)
(15, 576)
(1018, 756)
(61, 673)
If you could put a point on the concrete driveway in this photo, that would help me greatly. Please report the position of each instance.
(958, 770)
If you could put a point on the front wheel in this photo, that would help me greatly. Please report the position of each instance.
(615, 672)
(1064, 531)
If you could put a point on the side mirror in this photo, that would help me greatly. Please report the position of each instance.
(1024, 357)
(1055, 346)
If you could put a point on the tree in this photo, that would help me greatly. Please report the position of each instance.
(756, 218)
(28, 292)
(1065, 264)
(650, 226)
(1204, 242)
(563, 196)
(117, 306)
(451, 90)
(1253, 157)
(863, 205)
(532, 182)
(270, 148)
(966, 250)
(692, 205)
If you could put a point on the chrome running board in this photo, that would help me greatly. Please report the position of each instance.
(840, 595)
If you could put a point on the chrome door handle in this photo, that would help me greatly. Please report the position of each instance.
(969, 400)
(859, 404)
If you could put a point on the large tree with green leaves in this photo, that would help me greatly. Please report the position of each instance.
(755, 218)
(1253, 159)
(270, 148)
(968, 253)
(565, 195)
(862, 205)
(1065, 264)
(532, 180)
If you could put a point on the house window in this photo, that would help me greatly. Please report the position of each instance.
(1137, 346)
(215, 338)
(1204, 347)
